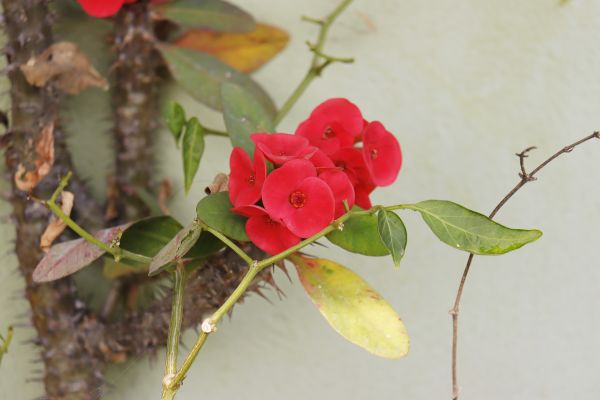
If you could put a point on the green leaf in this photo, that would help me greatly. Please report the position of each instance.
(360, 235)
(470, 231)
(392, 233)
(243, 115)
(201, 75)
(352, 307)
(215, 211)
(176, 248)
(149, 235)
(175, 119)
(215, 15)
(207, 245)
(192, 149)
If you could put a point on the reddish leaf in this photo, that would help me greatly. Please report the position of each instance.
(69, 257)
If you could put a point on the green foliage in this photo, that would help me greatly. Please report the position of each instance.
(215, 15)
(175, 117)
(202, 75)
(163, 234)
(392, 233)
(470, 231)
(176, 248)
(243, 115)
(215, 211)
(360, 235)
(149, 235)
(352, 307)
(192, 149)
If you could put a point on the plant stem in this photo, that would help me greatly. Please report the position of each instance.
(209, 325)
(320, 61)
(6, 342)
(174, 336)
(117, 252)
(229, 244)
(214, 132)
(525, 178)
(214, 320)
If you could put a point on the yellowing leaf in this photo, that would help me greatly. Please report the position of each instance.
(352, 307)
(245, 52)
(113, 269)
(27, 178)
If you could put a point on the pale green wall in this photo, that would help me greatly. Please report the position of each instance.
(464, 85)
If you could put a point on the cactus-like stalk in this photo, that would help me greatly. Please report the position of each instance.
(145, 331)
(135, 106)
(70, 373)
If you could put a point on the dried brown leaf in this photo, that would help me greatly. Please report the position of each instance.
(219, 184)
(27, 179)
(56, 225)
(164, 194)
(66, 65)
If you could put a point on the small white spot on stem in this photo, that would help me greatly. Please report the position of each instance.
(208, 326)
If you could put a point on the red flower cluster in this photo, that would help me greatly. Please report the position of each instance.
(317, 173)
(107, 8)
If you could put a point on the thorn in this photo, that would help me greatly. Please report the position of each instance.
(261, 294)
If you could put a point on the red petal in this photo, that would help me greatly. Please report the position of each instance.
(270, 235)
(246, 179)
(382, 154)
(249, 211)
(321, 161)
(280, 184)
(351, 161)
(282, 147)
(342, 190)
(334, 124)
(101, 8)
(316, 213)
(361, 197)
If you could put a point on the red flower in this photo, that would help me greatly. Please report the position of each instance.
(294, 195)
(351, 161)
(382, 154)
(361, 196)
(101, 8)
(334, 124)
(282, 147)
(246, 178)
(321, 161)
(341, 188)
(266, 233)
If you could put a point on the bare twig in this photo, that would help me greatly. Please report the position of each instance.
(320, 60)
(525, 178)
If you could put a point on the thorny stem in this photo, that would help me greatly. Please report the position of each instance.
(525, 178)
(180, 278)
(210, 324)
(320, 60)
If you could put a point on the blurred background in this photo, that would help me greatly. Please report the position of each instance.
(464, 86)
